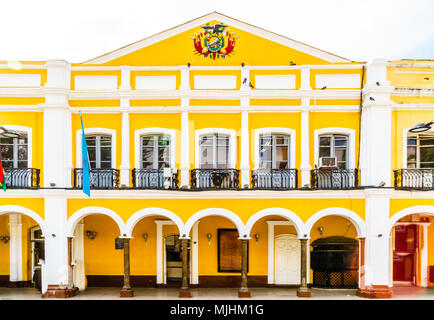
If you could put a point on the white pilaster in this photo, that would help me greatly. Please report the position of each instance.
(57, 157)
(55, 271)
(79, 274)
(377, 245)
(376, 127)
(305, 165)
(125, 78)
(125, 165)
(244, 163)
(185, 154)
(15, 247)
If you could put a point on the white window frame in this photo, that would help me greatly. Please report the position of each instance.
(211, 131)
(153, 131)
(405, 134)
(276, 131)
(351, 148)
(93, 131)
(28, 131)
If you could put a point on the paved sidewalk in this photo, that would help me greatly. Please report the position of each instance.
(400, 293)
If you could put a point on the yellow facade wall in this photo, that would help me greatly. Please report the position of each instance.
(35, 204)
(95, 103)
(244, 208)
(155, 102)
(4, 248)
(21, 100)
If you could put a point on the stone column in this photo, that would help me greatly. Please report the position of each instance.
(361, 289)
(126, 290)
(244, 292)
(185, 291)
(303, 291)
(15, 250)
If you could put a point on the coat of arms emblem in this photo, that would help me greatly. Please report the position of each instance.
(215, 41)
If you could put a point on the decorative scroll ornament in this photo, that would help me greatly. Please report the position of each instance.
(215, 41)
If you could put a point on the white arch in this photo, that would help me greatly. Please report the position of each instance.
(215, 212)
(358, 222)
(90, 131)
(408, 211)
(136, 217)
(30, 213)
(83, 212)
(287, 214)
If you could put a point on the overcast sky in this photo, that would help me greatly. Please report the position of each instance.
(83, 29)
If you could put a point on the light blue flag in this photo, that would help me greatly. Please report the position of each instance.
(86, 169)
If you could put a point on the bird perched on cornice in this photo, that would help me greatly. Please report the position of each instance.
(217, 28)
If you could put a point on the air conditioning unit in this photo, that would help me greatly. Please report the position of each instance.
(328, 162)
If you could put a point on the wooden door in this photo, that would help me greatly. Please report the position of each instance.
(287, 259)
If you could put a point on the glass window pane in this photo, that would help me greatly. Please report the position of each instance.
(342, 165)
(341, 154)
(22, 152)
(411, 165)
(7, 164)
(106, 154)
(265, 164)
(163, 165)
(163, 154)
(265, 153)
(340, 141)
(426, 141)
(92, 164)
(324, 151)
(7, 152)
(411, 153)
(164, 140)
(282, 165)
(427, 154)
(92, 154)
(147, 165)
(105, 141)
(324, 141)
(281, 153)
(206, 157)
(106, 164)
(22, 164)
(148, 154)
(222, 141)
(148, 141)
(265, 141)
(91, 141)
(281, 140)
(222, 156)
(411, 141)
(5, 140)
(206, 140)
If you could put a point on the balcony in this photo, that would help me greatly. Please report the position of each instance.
(99, 178)
(214, 179)
(275, 179)
(334, 178)
(154, 179)
(415, 179)
(22, 178)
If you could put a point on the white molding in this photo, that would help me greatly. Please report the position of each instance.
(147, 212)
(351, 149)
(148, 131)
(76, 217)
(357, 221)
(276, 130)
(232, 144)
(91, 131)
(228, 20)
(292, 217)
(214, 212)
(15, 248)
(28, 131)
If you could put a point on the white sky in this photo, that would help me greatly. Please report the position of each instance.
(80, 30)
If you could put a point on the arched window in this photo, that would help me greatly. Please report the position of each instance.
(214, 151)
(334, 145)
(14, 151)
(155, 151)
(100, 151)
(274, 151)
(420, 151)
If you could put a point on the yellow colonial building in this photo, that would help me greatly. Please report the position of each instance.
(221, 154)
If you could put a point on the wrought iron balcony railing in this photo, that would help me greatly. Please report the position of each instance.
(214, 179)
(417, 179)
(275, 179)
(99, 178)
(154, 179)
(22, 178)
(334, 178)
